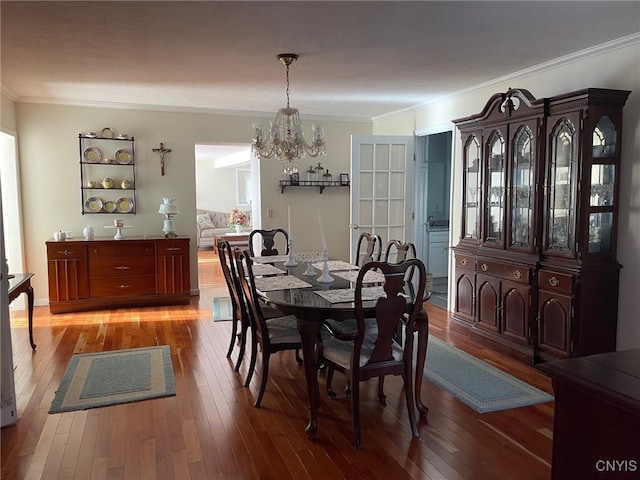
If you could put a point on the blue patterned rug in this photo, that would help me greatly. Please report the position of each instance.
(222, 310)
(476, 383)
(101, 379)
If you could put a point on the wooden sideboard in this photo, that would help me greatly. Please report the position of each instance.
(103, 273)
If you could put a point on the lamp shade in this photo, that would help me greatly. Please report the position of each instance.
(168, 207)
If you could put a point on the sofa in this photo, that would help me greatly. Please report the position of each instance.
(212, 224)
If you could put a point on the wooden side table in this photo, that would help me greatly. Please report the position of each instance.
(234, 239)
(21, 283)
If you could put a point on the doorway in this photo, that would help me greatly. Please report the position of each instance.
(435, 151)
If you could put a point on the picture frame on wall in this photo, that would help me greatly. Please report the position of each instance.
(344, 179)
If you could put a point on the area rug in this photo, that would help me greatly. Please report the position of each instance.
(476, 383)
(222, 309)
(95, 380)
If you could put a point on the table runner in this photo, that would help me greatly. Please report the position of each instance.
(335, 265)
(280, 282)
(346, 295)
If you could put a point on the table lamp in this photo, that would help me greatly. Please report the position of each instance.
(169, 209)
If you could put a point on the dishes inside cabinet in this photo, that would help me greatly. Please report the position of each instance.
(110, 207)
(94, 204)
(107, 132)
(92, 155)
(125, 204)
(124, 157)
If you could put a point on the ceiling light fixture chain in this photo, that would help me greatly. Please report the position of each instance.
(286, 140)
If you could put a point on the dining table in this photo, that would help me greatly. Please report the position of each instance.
(295, 293)
(20, 283)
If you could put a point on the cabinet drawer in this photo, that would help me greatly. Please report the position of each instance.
(121, 266)
(466, 261)
(173, 247)
(121, 248)
(505, 271)
(556, 282)
(122, 287)
(66, 251)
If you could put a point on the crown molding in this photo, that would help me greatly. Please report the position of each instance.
(603, 48)
(7, 92)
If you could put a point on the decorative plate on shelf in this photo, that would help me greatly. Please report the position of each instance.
(93, 204)
(89, 135)
(123, 136)
(109, 207)
(107, 132)
(123, 156)
(125, 204)
(92, 155)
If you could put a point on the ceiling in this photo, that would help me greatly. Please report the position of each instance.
(358, 60)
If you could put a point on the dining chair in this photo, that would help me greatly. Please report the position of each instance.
(368, 248)
(273, 334)
(397, 252)
(238, 306)
(368, 349)
(269, 238)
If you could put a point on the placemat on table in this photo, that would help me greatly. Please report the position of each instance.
(346, 295)
(335, 265)
(266, 269)
(271, 259)
(280, 282)
(370, 277)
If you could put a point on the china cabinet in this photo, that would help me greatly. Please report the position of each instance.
(106, 273)
(107, 174)
(536, 274)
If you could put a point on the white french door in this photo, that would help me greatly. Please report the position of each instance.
(382, 180)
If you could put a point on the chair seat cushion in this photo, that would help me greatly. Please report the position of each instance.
(283, 329)
(340, 351)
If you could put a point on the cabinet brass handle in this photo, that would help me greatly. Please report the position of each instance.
(173, 249)
(122, 267)
(122, 287)
(484, 267)
(65, 252)
(464, 261)
(517, 274)
(554, 282)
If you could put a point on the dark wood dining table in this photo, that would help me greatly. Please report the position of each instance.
(311, 309)
(20, 283)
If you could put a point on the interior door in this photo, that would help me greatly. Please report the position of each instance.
(382, 200)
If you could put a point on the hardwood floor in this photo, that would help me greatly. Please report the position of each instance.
(211, 429)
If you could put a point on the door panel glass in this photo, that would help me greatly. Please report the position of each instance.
(522, 193)
(602, 183)
(366, 156)
(398, 157)
(382, 157)
(561, 208)
(604, 138)
(396, 186)
(366, 185)
(472, 185)
(395, 233)
(396, 212)
(600, 232)
(495, 189)
(382, 184)
(366, 213)
(381, 212)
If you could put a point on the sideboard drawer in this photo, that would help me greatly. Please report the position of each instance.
(556, 282)
(66, 251)
(121, 266)
(465, 261)
(514, 273)
(122, 286)
(173, 247)
(121, 248)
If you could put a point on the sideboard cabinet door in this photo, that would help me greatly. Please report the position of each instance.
(173, 275)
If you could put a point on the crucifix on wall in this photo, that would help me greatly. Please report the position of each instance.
(162, 152)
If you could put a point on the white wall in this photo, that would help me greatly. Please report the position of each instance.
(616, 66)
(215, 187)
(50, 176)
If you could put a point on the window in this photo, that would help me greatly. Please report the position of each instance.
(243, 187)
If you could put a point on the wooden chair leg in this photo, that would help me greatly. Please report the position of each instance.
(243, 344)
(382, 398)
(330, 391)
(234, 331)
(265, 377)
(355, 411)
(408, 393)
(298, 357)
(254, 354)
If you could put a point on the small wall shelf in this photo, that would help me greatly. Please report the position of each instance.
(312, 183)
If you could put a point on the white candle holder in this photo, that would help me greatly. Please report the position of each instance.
(325, 277)
(291, 261)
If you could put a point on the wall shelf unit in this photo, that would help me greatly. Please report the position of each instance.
(312, 183)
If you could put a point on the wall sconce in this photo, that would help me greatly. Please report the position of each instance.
(169, 209)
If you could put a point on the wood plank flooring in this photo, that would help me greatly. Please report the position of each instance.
(211, 429)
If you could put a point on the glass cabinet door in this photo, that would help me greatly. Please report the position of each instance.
(494, 194)
(472, 194)
(522, 189)
(602, 187)
(561, 179)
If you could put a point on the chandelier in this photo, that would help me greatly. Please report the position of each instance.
(286, 140)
